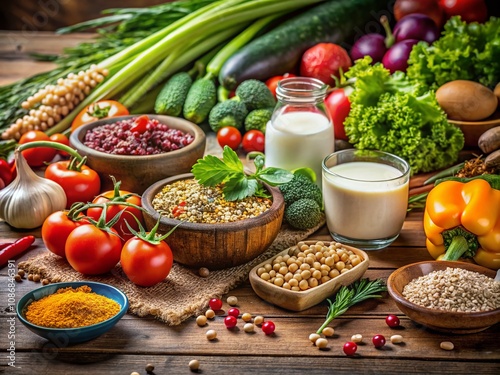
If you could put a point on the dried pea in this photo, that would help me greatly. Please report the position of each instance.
(201, 320)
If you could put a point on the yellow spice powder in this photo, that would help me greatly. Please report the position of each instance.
(71, 308)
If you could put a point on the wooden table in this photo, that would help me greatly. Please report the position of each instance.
(135, 342)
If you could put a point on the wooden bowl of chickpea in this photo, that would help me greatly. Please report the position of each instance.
(306, 274)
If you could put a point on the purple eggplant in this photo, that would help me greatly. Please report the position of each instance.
(416, 26)
(396, 57)
(373, 45)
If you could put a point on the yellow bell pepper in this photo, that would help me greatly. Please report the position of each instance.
(462, 220)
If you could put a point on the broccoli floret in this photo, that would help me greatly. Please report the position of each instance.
(227, 113)
(303, 214)
(301, 187)
(258, 119)
(255, 94)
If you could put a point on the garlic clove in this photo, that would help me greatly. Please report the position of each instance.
(27, 201)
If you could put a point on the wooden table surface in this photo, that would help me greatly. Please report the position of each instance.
(135, 342)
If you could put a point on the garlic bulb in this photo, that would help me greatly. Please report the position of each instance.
(28, 200)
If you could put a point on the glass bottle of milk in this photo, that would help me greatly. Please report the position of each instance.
(300, 132)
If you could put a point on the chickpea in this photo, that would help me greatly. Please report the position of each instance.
(248, 327)
(313, 337)
(201, 320)
(210, 314)
(328, 331)
(211, 335)
(258, 320)
(246, 317)
(232, 301)
(321, 343)
(194, 365)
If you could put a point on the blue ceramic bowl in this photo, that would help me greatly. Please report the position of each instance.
(63, 337)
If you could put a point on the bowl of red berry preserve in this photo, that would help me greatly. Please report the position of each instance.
(139, 150)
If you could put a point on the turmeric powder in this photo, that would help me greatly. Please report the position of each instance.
(71, 308)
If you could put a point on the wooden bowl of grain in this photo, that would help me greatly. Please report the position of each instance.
(441, 317)
(299, 300)
(218, 245)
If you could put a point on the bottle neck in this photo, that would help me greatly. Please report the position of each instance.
(301, 90)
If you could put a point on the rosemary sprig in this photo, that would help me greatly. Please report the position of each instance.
(350, 295)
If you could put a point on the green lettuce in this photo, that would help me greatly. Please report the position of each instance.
(464, 51)
(392, 114)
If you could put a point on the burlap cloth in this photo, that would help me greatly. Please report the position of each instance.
(181, 295)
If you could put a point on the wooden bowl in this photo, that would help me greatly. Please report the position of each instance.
(302, 300)
(216, 246)
(137, 173)
(439, 320)
(473, 129)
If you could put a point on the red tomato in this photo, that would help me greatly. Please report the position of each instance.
(323, 60)
(253, 140)
(272, 83)
(127, 215)
(79, 186)
(56, 229)
(60, 138)
(93, 251)
(97, 111)
(229, 136)
(38, 156)
(140, 124)
(146, 264)
(468, 10)
(428, 7)
(339, 106)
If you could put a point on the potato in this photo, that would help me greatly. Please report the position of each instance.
(466, 100)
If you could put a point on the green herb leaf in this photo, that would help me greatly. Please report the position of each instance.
(211, 171)
(275, 176)
(239, 188)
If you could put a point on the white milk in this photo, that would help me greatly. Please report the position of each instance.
(359, 208)
(299, 139)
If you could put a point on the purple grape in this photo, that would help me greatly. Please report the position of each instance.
(396, 57)
(416, 26)
(372, 45)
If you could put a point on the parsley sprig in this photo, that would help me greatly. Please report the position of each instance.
(236, 184)
(350, 295)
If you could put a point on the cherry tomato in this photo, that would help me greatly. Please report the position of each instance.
(79, 186)
(392, 321)
(38, 156)
(146, 264)
(93, 251)
(112, 210)
(272, 83)
(140, 124)
(339, 106)
(350, 348)
(253, 140)
(215, 304)
(60, 138)
(268, 327)
(428, 7)
(323, 60)
(56, 229)
(468, 10)
(230, 321)
(233, 312)
(97, 111)
(378, 341)
(229, 136)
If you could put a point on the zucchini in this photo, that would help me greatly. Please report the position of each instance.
(171, 98)
(279, 51)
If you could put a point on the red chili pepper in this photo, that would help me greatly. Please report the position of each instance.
(140, 124)
(15, 248)
(5, 244)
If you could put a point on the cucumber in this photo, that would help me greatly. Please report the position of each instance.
(279, 51)
(201, 98)
(172, 96)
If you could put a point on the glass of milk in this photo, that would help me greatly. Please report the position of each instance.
(300, 132)
(366, 197)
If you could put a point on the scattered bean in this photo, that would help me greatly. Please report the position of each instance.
(246, 317)
(211, 335)
(396, 339)
(248, 327)
(36, 278)
(258, 320)
(201, 320)
(30, 277)
(194, 365)
(313, 337)
(21, 273)
(447, 345)
(203, 272)
(149, 368)
(18, 278)
(232, 301)
(328, 331)
(210, 314)
(134, 373)
(357, 338)
(45, 282)
(321, 343)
